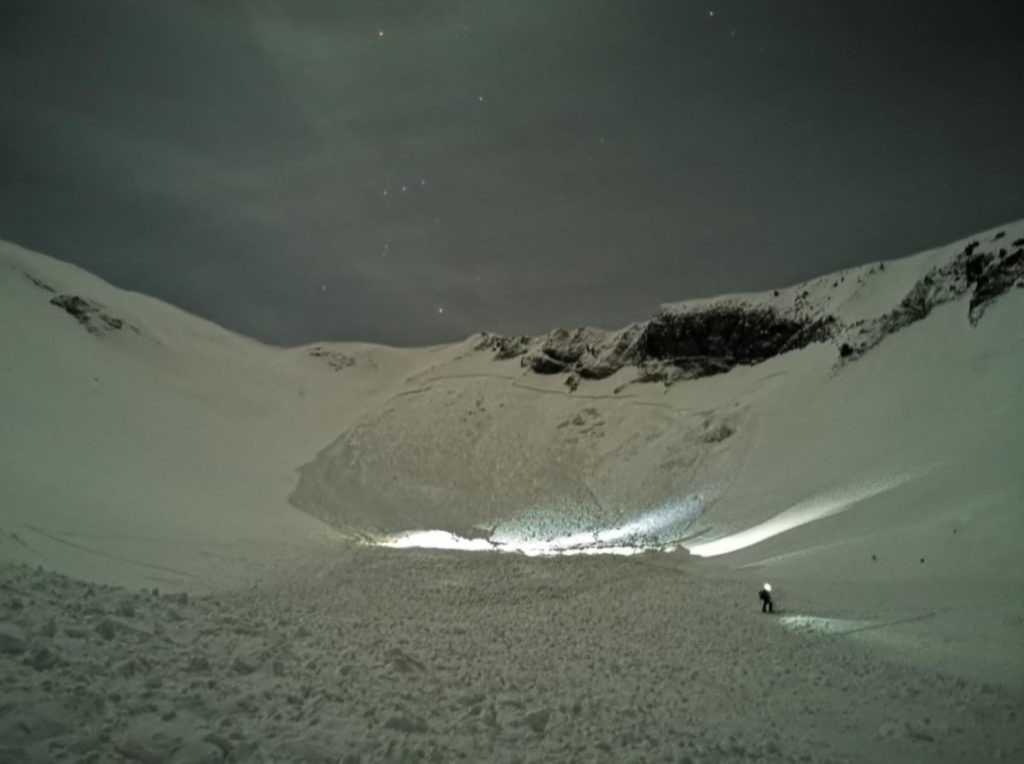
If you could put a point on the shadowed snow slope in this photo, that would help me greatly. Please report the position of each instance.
(138, 443)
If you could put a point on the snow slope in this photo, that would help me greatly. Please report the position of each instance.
(162, 451)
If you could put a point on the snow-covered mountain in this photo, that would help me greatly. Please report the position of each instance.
(862, 427)
(858, 388)
(862, 378)
(855, 440)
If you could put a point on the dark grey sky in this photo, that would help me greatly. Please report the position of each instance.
(412, 172)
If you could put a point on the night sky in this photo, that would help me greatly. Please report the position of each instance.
(413, 172)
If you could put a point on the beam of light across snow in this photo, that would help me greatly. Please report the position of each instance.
(636, 535)
(437, 540)
(815, 508)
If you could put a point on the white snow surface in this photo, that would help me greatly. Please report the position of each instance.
(882, 498)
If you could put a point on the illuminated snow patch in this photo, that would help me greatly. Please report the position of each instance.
(815, 508)
(437, 540)
(637, 535)
(446, 540)
(817, 625)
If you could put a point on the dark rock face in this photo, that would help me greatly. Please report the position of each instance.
(996, 277)
(670, 346)
(716, 339)
(985, 275)
(87, 313)
(975, 265)
(541, 363)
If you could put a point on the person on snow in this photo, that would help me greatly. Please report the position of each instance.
(766, 599)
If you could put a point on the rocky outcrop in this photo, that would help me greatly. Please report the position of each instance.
(701, 343)
(991, 276)
(985, 276)
(585, 353)
(89, 314)
(673, 345)
(39, 283)
(336, 360)
(504, 347)
(541, 363)
(688, 342)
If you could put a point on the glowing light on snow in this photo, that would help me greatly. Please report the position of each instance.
(817, 625)
(815, 508)
(437, 540)
(641, 532)
(446, 540)
(635, 536)
(649, 529)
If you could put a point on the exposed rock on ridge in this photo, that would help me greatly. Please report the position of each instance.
(702, 343)
(673, 345)
(87, 313)
(986, 276)
(689, 342)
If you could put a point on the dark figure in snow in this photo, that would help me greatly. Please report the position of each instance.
(766, 599)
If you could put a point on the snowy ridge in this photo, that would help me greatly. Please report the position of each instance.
(701, 338)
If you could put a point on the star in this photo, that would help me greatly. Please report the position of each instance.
(480, 98)
(380, 32)
(440, 309)
(711, 14)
